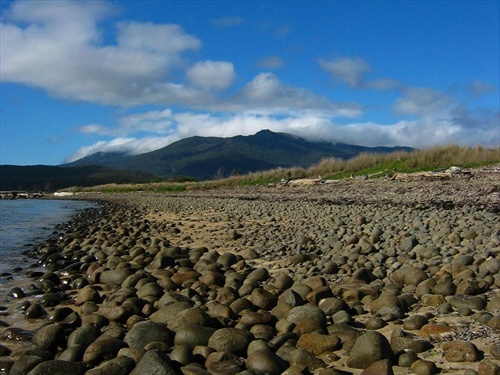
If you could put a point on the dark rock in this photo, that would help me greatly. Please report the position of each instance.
(472, 302)
(230, 340)
(83, 336)
(369, 348)
(154, 362)
(102, 349)
(423, 367)
(143, 333)
(382, 367)
(191, 336)
(50, 336)
(120, 365)
(56, 367)
(401, 341)
(265, 362)
(24, 364)
(73, 353)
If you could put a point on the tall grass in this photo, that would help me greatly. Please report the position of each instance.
(375, 165)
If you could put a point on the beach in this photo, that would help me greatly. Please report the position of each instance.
(358, 276)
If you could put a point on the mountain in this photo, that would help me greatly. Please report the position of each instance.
(205, 158)
(49, 178)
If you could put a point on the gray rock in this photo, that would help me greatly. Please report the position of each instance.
(462, 300)
(192, 336)
(102, 350)
(114, 278)
(50, 336)
(307, 312)
(230, 340)
(143, 333)
(265, 362)
(73, 353)
(369, 348)
(56, 367)
(84, 336)
(423, 367)
(120, 365)
(401, 341)
(155, 363)
(24, 364)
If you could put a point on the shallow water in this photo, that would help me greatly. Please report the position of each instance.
(25, 223)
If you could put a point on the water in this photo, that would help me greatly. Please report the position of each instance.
(28, 222)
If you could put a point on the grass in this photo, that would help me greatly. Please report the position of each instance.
(371, 165)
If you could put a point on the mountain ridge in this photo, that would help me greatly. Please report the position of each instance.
(206, 158)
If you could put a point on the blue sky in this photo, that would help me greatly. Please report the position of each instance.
(88, 76)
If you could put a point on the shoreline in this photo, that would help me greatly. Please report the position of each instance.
(233, 260)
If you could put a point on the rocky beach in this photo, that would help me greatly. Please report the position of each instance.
(352, 277)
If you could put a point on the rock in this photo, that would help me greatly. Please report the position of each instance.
(50, 337)
(114, 278)
(154, 362)
(265, 362)
(460, 351)
(24, 364)
(219, 363)
(317, 344)
(435, 331)
(102, 349)
(56, 367)
(382, 367)
(73, 353)
(495, 349)
(143, 333)
(368, 349)
(192, 336)
(407, 358)
(83, 336)
(120, 365)
(87, 294)
(16, 292)
(263, 299)
(462, 300)
(230, 340)
(415, 322)
(401, 341)
(486, 367)
(302, 359)
(423, 367)
(306, 313)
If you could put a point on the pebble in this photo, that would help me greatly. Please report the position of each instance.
(132, 296)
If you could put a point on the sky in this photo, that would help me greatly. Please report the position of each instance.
(80, 77)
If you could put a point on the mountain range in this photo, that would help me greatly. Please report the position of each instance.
(206, 158)
(196, 158)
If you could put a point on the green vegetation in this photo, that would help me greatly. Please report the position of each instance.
(370, 165)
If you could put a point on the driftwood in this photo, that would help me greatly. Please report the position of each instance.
(438, 175)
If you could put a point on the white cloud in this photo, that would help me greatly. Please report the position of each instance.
(350, 71)
(57, 46)
(423, 101)
(266, 93)
(208, 75)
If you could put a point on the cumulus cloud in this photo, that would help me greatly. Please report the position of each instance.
(423, 101)
(208, 75)
(268, 94)
(348, 70)
(460, 126)
(57, 46)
